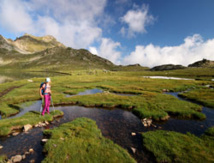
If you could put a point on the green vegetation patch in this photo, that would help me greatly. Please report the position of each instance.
(203, 96)
(82, 141)
(168, 146)
(8, 125)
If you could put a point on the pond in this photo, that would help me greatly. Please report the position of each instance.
(115, 124)
(166, 77)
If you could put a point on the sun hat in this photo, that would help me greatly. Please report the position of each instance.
(48, 79)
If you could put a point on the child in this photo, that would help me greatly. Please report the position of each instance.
(46, 95)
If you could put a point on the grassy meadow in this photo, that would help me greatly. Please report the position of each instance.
(148, 101)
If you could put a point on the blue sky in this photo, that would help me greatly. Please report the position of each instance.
(148, 32)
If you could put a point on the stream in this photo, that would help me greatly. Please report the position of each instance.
(115, 124)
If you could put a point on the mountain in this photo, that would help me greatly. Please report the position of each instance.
(203, 63)
(29, 44)
(167, 67)
(30, 52)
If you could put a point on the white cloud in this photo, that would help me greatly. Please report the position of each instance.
(137, 19)
(93, 50)
(108, 50)
(74, 23)
(193, 49)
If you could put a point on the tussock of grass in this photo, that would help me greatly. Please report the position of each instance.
(8, 125)
(168, 146)
(203, 96)
(81, 141)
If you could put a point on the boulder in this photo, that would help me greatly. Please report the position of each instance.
(1, 146)
(27, 127)
(23, 157)
(17, 158)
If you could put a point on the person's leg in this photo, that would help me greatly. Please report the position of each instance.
(46, 104)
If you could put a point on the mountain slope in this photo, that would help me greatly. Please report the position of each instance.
(202, 63)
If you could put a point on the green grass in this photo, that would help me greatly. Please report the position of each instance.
(169, 146)
(3, 158)
(81, 141)
(148, 102)
(8, 125)
(202, 95)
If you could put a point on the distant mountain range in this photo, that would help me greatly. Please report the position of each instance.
(46, 53)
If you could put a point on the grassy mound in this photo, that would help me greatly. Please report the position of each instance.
(8, 125)
(168, 146)
(81, 141)
(203, 96)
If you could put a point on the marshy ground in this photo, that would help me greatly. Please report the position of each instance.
(129, 92)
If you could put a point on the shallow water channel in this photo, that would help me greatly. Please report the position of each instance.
(115, 124)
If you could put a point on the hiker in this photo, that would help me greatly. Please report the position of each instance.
(45, 92)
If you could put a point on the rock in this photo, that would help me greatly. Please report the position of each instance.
(27, 127)
(32, 161)
(62, 138)
(9, 161)
(31, 150)
(23, 157)
(149, 122)
(44, 140)
(15, 133)
(1, 146)
(54, 145)
(133, 134)
(46, 122)
(37, 125)
(27, 153)
(17, 158)
(154, 126)
(133, 150)
(30, 80)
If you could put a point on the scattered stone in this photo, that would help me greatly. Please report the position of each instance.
(133, 134)
(133, 150)
(17, 158)
(62, 138)
(23, 157)
(27, 127)
(54, 145)
(31, 150)
(153, 125)
(1, 146)
(37, 125)
(9, 161)
(159, 127)
(44, 140)
(15, 133)
(146, 122)
(32, 161)
(201, 126)
(30, 80)
(27, 153)
(46, 122)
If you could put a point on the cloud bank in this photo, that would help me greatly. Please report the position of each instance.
(75, 23)
(193, 49)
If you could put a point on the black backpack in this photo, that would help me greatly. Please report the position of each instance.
(43, 90)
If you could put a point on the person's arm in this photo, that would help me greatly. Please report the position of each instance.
(40, 92)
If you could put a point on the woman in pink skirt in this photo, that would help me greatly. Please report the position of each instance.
(46, 87)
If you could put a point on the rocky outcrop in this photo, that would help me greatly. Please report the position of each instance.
(167, 67)
(202, 63)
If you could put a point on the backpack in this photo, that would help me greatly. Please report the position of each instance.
(43, 90)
